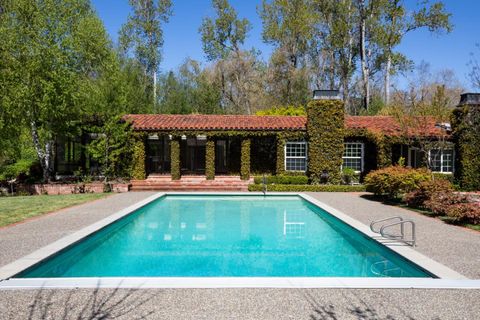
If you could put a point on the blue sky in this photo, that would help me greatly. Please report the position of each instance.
(182, 40)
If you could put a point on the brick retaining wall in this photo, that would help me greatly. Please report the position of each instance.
(54, 188)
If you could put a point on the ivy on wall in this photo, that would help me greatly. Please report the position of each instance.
(245, 159)
(325, 130)
(210, 159)
(280, 156)
(383, 144)
(175, 159)
(138, 159)
(466, 135)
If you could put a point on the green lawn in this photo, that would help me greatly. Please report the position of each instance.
(15, 209)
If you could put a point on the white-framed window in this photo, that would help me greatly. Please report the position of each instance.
(442, 160)
(353, 156)
(296, 156)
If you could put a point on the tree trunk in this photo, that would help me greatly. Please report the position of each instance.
(44, 155)
(155, 90)
(388, 67)
(363, 60)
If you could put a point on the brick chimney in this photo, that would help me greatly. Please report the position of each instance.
(325, 133)
(466, 135)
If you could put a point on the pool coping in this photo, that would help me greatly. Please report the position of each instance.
(448, 278)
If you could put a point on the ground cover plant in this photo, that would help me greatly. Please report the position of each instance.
(16, 209)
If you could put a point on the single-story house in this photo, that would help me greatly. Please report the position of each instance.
(324, 141)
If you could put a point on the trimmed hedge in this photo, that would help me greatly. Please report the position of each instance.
(325, 129)
(282, 179)
(307, 188)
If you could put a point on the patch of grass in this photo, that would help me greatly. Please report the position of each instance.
(16, 209)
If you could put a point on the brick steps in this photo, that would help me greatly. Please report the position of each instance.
(190, 183)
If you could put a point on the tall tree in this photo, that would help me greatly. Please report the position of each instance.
(369, 13)
(396, 22)
(289, 26)
(475, 70)
(52, 45)
(143, 32)
(224, 33)
(222, 37)
(334, 48)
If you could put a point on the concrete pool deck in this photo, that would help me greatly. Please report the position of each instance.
(455, 247)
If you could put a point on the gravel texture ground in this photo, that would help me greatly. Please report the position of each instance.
(453, 246)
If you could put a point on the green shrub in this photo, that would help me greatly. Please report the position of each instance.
(12, 171)
(425, 191)
(395, 180)
(349, 176)
(282, 179)
(307, 188)
(443, 176)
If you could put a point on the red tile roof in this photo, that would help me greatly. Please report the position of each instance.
(382, 124)
(214, 122)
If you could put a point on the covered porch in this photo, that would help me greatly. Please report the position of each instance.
(209, 157)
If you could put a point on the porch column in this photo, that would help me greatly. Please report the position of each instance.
(138, 165)
(245, 159)
(210, 159)
(175, 158)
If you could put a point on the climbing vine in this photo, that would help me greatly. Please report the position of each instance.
(210, 159)
(245, 159)
(325, 129)
(466, 134)
(175, 159)
(138, 159)
(280, 156)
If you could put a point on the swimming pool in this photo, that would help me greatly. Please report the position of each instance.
(227, 236)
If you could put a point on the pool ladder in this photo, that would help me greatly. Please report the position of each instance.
(411, 241)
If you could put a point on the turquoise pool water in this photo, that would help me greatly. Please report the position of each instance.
(227, 236)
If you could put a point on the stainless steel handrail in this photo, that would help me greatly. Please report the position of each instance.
(401, 222)
(410, 242)
(383, 220)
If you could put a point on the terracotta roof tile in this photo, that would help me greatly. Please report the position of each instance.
(214, 122)
(161, 122)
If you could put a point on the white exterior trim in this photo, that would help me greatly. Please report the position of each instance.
(362, 157)
(285, 155)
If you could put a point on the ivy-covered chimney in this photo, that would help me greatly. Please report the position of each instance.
(466, 135)
(325, 131)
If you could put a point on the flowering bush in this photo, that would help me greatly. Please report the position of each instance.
(440, 202)
(425, 191)
(464, 212)
(395, 180)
